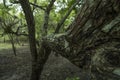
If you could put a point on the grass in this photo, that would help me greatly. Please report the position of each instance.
(14, 67)
(8, 46)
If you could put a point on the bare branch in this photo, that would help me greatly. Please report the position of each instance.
(20, 34)
(35, 5)
(65, 17)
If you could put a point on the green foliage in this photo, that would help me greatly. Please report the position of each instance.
(75, 78)
(13, 13)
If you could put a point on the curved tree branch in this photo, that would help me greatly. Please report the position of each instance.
(65, 17)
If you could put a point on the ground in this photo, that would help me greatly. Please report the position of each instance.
(19, 67)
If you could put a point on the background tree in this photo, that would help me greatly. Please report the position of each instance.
(10, 24)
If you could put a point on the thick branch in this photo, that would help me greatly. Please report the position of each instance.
(31, 27)
(46, 18)
(87, 46)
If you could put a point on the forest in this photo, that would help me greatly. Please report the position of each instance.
(59, 39)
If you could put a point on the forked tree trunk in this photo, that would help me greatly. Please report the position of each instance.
(39, 58)
(92, 41)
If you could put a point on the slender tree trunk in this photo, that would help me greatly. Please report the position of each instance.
(12, 43)
(44, 51)
(31, 30)
(65, 17)
(40, 58)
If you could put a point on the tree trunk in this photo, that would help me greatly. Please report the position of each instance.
(39, 58)
(31, 30)
(92, 41)
(12, 43)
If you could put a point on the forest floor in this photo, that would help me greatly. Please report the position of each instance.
(19, 67)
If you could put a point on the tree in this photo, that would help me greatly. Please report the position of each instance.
(91, 41)
(10, 24)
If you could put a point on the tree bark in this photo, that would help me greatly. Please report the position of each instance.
(92, 40)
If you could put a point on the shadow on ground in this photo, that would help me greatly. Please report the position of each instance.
(19, 67)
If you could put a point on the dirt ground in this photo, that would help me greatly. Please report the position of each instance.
(19, 67)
